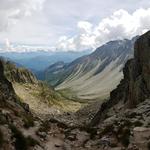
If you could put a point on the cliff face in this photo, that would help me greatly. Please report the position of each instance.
(125, 115)
(8, 97)
(22, 76)
(14, 114)
(134, 88)
(6, 89)
(142, 66)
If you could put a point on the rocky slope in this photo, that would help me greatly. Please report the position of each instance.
(54, 72)
(14, 115)
(37, 94)
(129, 104)
(94, 76)
(134, 88)
(18, 74)
(19, 129)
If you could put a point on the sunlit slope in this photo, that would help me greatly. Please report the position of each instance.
(42, 99)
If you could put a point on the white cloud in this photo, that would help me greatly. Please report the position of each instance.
(43, 22)
(84, 26)
(81, 41)
(13, 10)
(8, 47)
(119, 25)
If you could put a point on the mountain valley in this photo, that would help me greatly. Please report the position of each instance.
(74, 75)
(120, 122)
(92, 76)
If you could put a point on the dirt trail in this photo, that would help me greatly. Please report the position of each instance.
(54, 143)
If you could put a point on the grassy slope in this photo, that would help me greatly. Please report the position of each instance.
(40, 97)
(43, 100)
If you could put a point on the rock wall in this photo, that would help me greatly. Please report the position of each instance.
(18, 74)
(6, 89)
(134, 88)
(22, 76)
(8, 97)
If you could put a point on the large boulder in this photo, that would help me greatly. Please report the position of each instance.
(141, 137)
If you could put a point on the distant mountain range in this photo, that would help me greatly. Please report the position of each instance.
(40, 60)
(95, 75)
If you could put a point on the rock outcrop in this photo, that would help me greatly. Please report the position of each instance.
(135, 87)
(14, 115)
(18, 74)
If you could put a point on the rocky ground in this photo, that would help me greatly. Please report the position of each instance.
(128, 130)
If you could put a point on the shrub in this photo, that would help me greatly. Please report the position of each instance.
(31, 141)
(1, 138)
(2, 119)
(138, 123)
(148, 145)
(45, 126)
(28, 121)
(107, 129)
(125, 137)
(20, 143)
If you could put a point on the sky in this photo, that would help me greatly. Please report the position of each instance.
(70, 25)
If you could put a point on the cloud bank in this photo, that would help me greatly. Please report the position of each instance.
(119, 25)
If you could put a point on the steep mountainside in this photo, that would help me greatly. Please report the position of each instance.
(53, 73)
(14, 115)
(37, 94)
(18, 74)
(134, 89)
(125, 119)
(95, 75)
